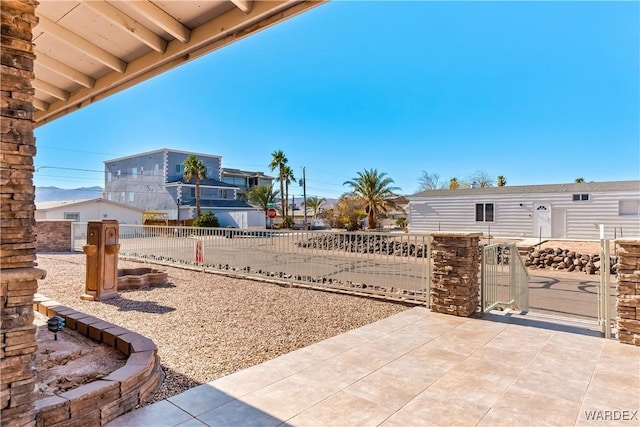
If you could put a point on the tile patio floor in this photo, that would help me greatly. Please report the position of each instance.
(419, 368)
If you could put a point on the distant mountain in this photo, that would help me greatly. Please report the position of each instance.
(47, 194)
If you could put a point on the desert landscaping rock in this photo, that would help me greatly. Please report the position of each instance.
(362, 243)
(206, 325)
(566, 260)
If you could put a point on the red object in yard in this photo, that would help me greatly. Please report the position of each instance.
(272, 213)
(199, 251)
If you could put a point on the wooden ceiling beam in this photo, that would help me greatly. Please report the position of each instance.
(243, 5)
(52, 90)
(162, 19)
(128, 24)
(64, 70)
(75, 41)
(40, 105)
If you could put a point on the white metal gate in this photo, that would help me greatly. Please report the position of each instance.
(604, 307)
(505, 281)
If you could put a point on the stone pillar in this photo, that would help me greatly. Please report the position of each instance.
(455, 287)
(628, 291)
(18, 277)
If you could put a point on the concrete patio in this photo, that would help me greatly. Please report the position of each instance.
(420, 368)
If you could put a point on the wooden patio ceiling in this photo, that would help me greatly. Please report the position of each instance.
(88, 50)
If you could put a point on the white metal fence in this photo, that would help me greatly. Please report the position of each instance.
(386, 264)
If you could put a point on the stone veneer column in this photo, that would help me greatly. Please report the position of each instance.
(628, 291)
(455, 288)
(18, 277)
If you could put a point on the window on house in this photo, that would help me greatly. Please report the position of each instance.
(118, 173)
(156, 169)
(180, 169)
(134, 172)
(580, 197)
(629, 207)
(122, 197)
(109, 176)
(223, 194)
(75, 216)
(131, 196)
(209, 173)
(484, 212)
(193, 192)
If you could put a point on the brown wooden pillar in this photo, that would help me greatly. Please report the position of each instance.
(18, 275)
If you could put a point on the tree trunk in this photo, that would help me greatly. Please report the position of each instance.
(197, 196)
(283, 202)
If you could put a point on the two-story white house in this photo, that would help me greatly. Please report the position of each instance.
(244, 180)
(154, 181)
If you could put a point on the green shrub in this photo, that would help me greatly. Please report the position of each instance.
(287, 222)
(207, 219)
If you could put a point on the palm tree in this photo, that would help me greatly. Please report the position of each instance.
(502, 181)
(288, 178)
(262, 196)
(374, 191)
(279, 161)
(316, 204)
(454, 184)
(194, 168)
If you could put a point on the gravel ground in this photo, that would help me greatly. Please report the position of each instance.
(207, 326)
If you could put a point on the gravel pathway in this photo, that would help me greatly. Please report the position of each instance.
(207, 326)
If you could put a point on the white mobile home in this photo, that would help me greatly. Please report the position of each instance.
(572, 211)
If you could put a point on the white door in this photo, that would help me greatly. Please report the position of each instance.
(559, 223)
(542, 219)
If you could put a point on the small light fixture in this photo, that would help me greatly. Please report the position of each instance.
(55, 325)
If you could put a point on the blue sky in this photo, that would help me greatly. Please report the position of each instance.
(541, 93)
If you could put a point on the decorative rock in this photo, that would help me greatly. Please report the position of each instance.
(566, 260)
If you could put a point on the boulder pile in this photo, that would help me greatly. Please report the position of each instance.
(565, 260)
(362, 243)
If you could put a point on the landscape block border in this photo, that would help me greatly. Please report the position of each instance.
(103, 400)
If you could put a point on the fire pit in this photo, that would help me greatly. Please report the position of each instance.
(134, 278)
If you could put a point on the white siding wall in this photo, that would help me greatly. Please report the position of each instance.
(511, 219)
(241, 219)
(94, 211)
